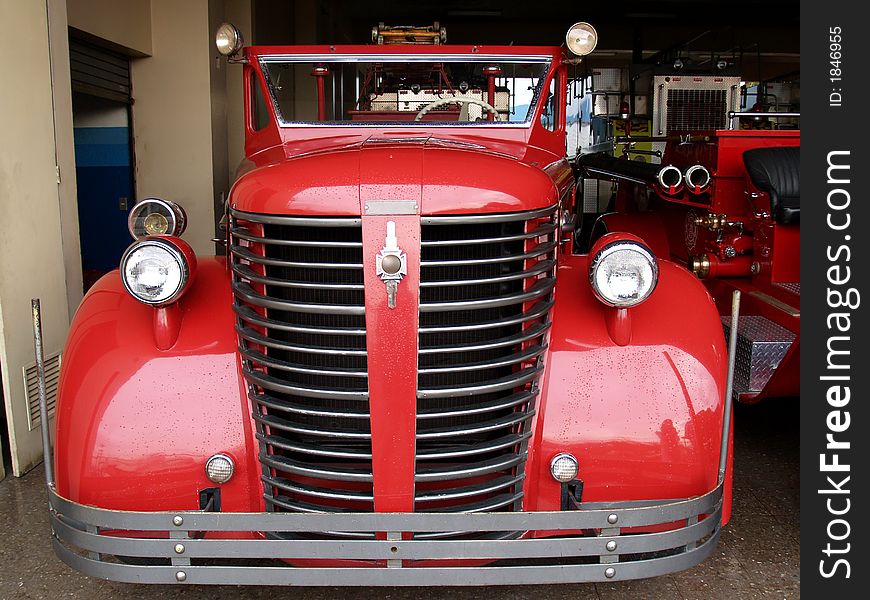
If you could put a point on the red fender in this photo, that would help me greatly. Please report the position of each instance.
(645, 419)
(135, 424)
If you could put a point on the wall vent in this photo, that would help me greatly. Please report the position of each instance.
(31, 386)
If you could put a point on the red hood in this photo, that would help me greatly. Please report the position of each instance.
(442, 176)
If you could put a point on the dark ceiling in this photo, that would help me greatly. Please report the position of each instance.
(761, 36)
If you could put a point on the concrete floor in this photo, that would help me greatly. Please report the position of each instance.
(757, 557)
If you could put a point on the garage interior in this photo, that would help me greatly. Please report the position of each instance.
(125, 101)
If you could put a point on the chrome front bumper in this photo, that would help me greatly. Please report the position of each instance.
(191, 554)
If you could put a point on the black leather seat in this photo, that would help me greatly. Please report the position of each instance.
(776, 171)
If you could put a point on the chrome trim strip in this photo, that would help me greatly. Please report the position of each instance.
(278, 385)
(315, 450)
(493, 218)
(528, 354)
(302, 409)
(245, 254)
(538, 251)
(493, 385)
(482, 448)
(245, 272)
(468, 470)
(296, 220)
(245, 292)
(256, 338)
(315, 492)
(540, 231)
(247, 314)
(285, 425)
(508, 420)
(524, 336)
(541, 288)
(540, 310)
(290, 466)
(282, 365)
(490, 504)
(483, 407)
(241, 232)
(469, 491)
(540, 268)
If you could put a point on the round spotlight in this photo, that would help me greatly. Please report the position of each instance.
(564, 467)
(228, 39)
(623, 273)
(153, 216)
(581, 38)
(156, 270)
(220, 468)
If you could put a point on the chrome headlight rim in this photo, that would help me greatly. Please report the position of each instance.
(228, 39)
(175, 253)
(175, 228)
(609, 249)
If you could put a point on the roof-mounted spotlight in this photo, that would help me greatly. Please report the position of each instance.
(581, 38)
(228, 39)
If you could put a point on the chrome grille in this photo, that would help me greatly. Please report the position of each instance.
(486, 293)
(299, 298)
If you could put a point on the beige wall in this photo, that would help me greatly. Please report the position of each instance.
(185, 103)
(31, 249)
(172, 115)
(126, 23)
(68, 204)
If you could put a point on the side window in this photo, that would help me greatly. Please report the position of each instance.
(259, 112)
(549, 118)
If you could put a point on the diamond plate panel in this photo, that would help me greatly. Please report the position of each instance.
(761, 346)
(794, 288)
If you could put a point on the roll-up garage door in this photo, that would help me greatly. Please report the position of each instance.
(99, 72)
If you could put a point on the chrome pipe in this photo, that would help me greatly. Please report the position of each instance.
(43, 399)
(729, 384)
(697, 178)
(670, 179)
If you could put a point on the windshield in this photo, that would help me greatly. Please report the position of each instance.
(383, 90)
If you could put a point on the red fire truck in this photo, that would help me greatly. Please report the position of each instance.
(401, 373)
(726, 204)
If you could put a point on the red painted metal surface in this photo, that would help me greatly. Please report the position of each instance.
(391, 341)
(135, 424)
(644, 420)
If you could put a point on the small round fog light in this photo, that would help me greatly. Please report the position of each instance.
(564, 467)
(220, 468)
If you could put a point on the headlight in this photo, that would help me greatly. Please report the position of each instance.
(154, 216)
(581, 38)
(156, 271)
(623, 273)
(228, 39)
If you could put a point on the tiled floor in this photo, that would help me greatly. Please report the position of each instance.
(757, 557)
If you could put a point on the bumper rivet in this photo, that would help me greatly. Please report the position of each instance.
(179, 548)
(180, 576)
(611, 546)
(612, 518)
(609, 572)
(177, 521)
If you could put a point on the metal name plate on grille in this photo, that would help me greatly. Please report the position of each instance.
(390, 207)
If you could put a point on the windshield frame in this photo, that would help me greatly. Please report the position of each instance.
(546, 60)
